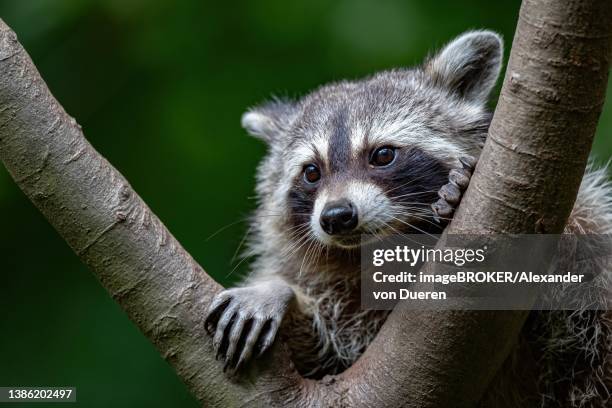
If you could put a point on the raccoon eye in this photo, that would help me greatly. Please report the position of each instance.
(383, 156)
(312, 174)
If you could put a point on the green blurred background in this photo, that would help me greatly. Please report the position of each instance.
(159, 87)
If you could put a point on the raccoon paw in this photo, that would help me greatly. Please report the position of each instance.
(245, 321)
(451, 193)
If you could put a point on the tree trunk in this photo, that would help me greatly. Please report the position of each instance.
(526, 182)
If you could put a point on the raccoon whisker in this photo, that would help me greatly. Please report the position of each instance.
(223, 228)
(300, 233)
(440, 218)
(307, 255)
(415, 203)
(296, 235)
(420, 216)
(244, 219)
(261, 212)
(304, 257)
(275, 215)
(298, 227)
(401, 233)
(287, 258)
(427, 214)
(407, 214)
(377, 236)
(414, 194)
(412, 226)
(287, 249)
(385, 225)
(242, 241)
(368, 212)
(238, 265)
(423, 210)
(300, 241)
(398, 232)
(430, 214)
(407, 183)
(420, 230)
(294, 247)
(297, 240)
(303, 223)
(305, 214)
(318, 254)
(409, 210)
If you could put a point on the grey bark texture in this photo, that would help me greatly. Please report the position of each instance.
(526, 182)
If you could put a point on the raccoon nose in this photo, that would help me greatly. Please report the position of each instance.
(338, 217)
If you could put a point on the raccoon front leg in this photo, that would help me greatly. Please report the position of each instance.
(245, 320)
(451, 193)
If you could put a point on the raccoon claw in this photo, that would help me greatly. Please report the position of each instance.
(244, 322)
(442, 210)
(459, 178)
(468, 162)
(451, 193)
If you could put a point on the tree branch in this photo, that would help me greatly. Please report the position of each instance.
(159, 285)
(526, 181)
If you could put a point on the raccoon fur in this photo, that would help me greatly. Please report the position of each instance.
(383, 155)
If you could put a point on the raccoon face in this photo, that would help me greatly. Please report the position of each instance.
(369, 156)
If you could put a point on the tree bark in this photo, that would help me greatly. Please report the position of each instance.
(526, 182)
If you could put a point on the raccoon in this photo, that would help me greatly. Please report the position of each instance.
(388, 154)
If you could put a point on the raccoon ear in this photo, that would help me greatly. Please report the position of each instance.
(469, 65)
(270, 120)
